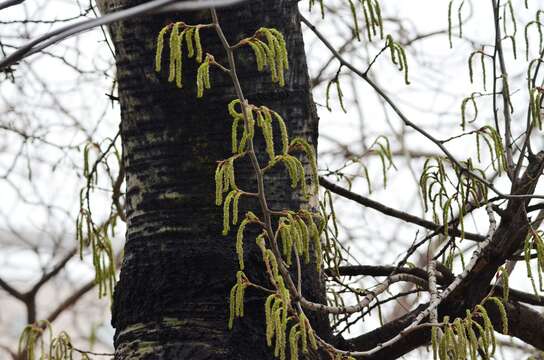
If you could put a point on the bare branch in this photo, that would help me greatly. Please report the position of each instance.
(11, 290)
(153, 7)
(9, 3)
(372, 270)
(71, 300)
(47, 276)
(408, 122)
(395, 213)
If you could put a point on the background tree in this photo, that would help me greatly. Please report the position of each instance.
(451, 189)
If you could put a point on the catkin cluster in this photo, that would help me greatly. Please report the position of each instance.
(443, 190)
(534, 241)
(180, 34)
(467, 338)
(270, 50)
(33, 342)
(97, 237)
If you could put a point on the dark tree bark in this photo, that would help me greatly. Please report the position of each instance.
(171, 301)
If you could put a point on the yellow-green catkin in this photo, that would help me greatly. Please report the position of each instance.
(229, 173)
(295, 234)
(310, 154)
(232, 305)
(315, 235)
(259, 54)
(160, 47)
(290, 164)
(226, 212)
(464, 103)
(304, 332)
(236, 305)
(488, 331)
(235, 203)
(234, 135)
(181, 35)
(264, 121)
(175, 55)
(271, 301)
(249, 129)
(219, 172)
(240, 242)
(270, 60)
(505, 277)
(304, 233)
(198, 45)
(203, 77)
(283, 133)
(287, 241)
(398, 56)
(271, 54)
(237, 117)
(282, 61)
(189, 41)
(502, 310)
(294, 336)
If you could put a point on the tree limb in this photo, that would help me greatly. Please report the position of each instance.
(11, 290)
(71, 300)
(153, 7)
(393, 212)
(47, 276)
(9, 3)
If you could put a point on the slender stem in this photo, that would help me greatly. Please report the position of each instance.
(152, 7)
(253, 157)
(408, 122)
(9, 3)
(506, 103)
(434, 305)
(529, 127)
(433, 316)
(452, 229)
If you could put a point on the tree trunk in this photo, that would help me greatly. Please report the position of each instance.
(171, 301)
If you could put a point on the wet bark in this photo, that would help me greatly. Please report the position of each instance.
(171, 301)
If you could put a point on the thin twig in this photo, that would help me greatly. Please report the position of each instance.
(9, 3)
(396, 213)
(408, 122)
(153, 7)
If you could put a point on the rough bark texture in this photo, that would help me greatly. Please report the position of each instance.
(171, 301)
(172, 298)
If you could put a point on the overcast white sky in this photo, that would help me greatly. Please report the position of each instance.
(439, 78)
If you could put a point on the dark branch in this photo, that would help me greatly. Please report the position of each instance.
(524, 323)
(521, 296)
(46, 277)
(393, 212)
(71, 300)
(68, 31)
(11, 290)
(380, 335)
(371, 270)
(9, 3)
(408, 122)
